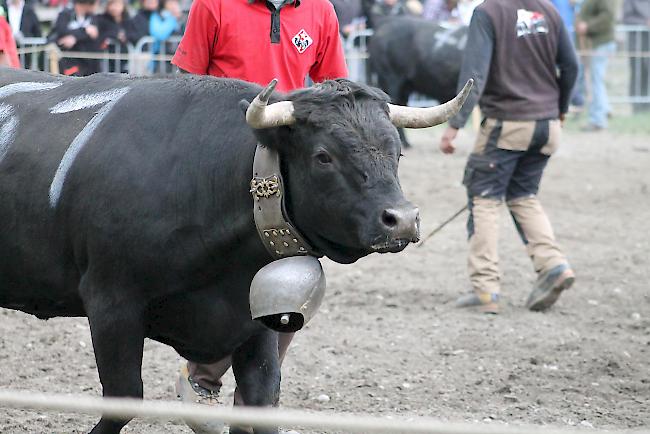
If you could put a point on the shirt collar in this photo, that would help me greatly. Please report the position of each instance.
(295, 3)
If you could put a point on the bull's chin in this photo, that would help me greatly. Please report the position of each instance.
(344, 254)
(392, 246)
(337, 252)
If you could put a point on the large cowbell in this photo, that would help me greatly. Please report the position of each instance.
(287, 293)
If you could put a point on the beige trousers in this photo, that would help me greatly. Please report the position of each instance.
(533, 226)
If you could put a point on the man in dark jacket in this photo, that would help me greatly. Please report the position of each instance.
(514, 52)
(76, 30)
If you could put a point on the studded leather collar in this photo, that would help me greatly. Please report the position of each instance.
(278, 235)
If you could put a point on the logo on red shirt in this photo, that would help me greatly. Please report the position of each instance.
(302, 41)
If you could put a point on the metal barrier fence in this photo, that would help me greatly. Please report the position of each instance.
(632, 56)
(628, 80)
(264, 417)
(146, 57)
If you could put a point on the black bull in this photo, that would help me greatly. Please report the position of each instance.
(127, 200)
(411, 55)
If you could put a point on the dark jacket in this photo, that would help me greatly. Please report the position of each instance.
(108, 27)
(599, 16)
(66, 24)
(109, 37)
(514, 51)
(139, 26)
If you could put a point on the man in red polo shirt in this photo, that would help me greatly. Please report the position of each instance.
(8, 52)
(256, 41)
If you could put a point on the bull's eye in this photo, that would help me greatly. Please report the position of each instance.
(323, 157)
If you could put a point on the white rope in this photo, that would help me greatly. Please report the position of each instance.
(258, 417)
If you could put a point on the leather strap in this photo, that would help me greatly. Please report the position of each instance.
(278, 235)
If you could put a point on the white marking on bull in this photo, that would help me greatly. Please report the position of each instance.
(27, 86)
(447, 37)
(8, 119)
(8, 127)
(110, 98)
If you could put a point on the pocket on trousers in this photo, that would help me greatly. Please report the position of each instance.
(554, 137)
(516, 136)
(479, 174)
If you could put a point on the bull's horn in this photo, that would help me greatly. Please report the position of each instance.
(260, 115)
(416, 117)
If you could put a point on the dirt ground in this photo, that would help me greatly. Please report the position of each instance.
(388, 339)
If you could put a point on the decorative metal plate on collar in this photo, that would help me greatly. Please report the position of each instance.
(278, 235)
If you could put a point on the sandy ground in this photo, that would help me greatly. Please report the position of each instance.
(388, 339)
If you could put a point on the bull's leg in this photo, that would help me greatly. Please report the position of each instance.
(256, 366)
(117, 329)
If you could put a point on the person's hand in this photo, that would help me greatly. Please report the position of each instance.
(581, 28)
(67, 42)
(92, 31)
(562, 119)
(121, 36)
(447, 141)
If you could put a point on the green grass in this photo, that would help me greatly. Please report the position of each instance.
(638, 123)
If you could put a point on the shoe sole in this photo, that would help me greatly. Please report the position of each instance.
(490, 308)
(565, 281)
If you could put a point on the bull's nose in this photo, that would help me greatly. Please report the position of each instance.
(403, 223)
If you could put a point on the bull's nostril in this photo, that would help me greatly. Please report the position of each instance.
(389, 218)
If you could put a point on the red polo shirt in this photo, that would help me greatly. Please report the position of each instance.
(247, 40)
(7, 43)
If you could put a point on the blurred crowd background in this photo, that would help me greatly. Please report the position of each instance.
(81, 37)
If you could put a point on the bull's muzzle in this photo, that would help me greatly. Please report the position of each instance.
(402, 226)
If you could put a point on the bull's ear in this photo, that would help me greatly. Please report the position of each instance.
(243, 105)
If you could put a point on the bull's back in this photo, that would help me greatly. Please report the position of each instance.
(93, 176)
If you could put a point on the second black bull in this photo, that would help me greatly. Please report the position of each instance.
(410, 55)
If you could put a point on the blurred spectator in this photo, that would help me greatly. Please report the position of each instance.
(440, 10)
(114, 24)
(350, 15)
(76, 30)
(596, 24)
(637, 13)
(8, 53)
(22, 18)
(159, 19)
(567, 10)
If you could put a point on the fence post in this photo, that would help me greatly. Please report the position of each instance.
(53, 51)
